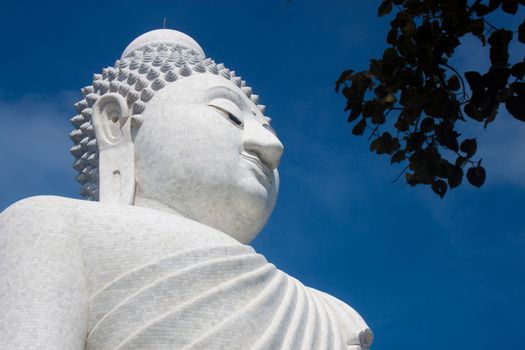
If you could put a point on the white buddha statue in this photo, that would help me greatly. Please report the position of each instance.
(179, 166)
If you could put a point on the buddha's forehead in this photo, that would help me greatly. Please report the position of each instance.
(200, 89)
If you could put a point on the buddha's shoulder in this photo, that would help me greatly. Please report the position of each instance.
(39, 208)
(47, 207)
(64, 208)
(37, 223)
(44, 213)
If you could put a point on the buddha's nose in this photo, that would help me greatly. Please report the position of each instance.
(263, 143)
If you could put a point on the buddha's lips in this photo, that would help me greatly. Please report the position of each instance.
(264, 170)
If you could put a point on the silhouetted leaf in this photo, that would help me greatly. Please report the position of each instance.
(385, 8)
(412, 179)
(385, 144)
(518, 88)
(375, 69)
(401, 124)
(521, 32)
(359, 128)
(461, 161)
(481, 9)
(476, 27)
(378, 117)
(427, 124)
(380, 91)
(496, 77)
(509, 6)
(414, 141)
(369, 108)
(398, 157)
(469, 147)
(473, 79)
(476, 176)
(516, 107)
(518, 70)
(449, 138)
(499, 55)
(392, 37)
(472, 111)
(455, 177)
(433, 104)
(494, 4)
(345, 76)
(390, 54)
(440, 188)
(499, 41)
(445, 168)
(356, 111)
(453, 83)
(374, 144)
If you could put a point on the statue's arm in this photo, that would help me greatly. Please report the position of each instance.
(42, 285)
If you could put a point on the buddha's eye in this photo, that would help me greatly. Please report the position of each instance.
(228, 110)
(234, 119)
(229, 116)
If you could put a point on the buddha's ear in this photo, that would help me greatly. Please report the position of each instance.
(112, 123)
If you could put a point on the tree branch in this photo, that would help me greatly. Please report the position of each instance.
(460, 78)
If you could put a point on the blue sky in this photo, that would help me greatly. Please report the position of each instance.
(425, 273)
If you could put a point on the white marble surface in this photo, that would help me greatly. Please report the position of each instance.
(184, 164)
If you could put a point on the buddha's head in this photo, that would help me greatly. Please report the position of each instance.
(167, 128)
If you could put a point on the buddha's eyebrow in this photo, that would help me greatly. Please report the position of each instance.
(224, 92)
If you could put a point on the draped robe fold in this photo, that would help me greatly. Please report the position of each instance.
(136, 278)
(227, 297)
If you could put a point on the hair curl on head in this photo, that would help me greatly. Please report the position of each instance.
(136, 77)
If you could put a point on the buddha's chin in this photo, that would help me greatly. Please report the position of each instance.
(246, 231)
(255, 199)
(239, 208)
(248, 211)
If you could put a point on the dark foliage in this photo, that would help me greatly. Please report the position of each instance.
(413, 91)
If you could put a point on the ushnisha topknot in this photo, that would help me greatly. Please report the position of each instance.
(147, 65)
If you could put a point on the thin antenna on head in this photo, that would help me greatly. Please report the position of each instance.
(164, 25)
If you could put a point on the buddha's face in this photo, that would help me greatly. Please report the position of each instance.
(207, 152)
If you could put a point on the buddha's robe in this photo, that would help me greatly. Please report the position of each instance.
(156, 281)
